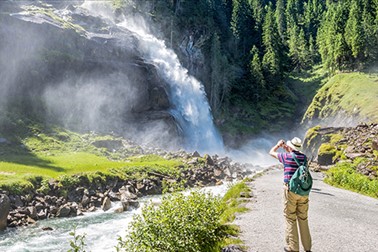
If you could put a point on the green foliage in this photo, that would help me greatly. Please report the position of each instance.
(78, 243)
(344, 175)
(179, 223)
(327, 148)
(273, 59)
(232, 201)
(351, 93)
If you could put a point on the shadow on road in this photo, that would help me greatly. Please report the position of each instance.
(319, 191)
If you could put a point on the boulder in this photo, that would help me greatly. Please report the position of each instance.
(325, 158)
(208, 160)
(196, 154)
(64, 211)
(106, 204)
(4, 210)
(32, 212)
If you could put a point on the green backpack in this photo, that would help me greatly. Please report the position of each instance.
(301, 182)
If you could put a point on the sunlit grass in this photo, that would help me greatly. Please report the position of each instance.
(354, 93)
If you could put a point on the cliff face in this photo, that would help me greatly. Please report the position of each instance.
(357, 145)
(60, 64)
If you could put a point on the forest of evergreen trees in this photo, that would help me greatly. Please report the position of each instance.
(252, 45)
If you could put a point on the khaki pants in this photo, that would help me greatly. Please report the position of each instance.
(296, 208)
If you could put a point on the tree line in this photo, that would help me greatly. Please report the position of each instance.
(253, 44)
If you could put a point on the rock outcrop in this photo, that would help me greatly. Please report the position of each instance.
(327, 146)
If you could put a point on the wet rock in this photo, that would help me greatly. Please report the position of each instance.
(106, 204)
(133, 203)
(85, 200)
(64, 211)
(32, 212)
(42, 214)
(119, 209)
(208, 160)
(30, 220)
(4, 210)
(47, 228)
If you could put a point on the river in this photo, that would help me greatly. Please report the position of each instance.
(101, 229)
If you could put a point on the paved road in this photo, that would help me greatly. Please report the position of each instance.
(340, 220)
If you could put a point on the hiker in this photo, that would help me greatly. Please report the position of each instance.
(295, 205)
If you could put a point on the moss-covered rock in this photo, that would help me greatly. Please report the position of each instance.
(326, 154)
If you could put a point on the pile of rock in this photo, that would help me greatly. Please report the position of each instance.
(356, 142)
(89, 196)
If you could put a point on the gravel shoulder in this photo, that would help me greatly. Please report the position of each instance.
(339, 220)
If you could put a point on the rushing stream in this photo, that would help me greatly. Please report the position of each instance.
(101, 228)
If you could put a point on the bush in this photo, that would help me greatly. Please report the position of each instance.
(181, 223)
(344, 175)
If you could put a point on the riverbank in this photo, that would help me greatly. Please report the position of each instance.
(78, 194)
(339, 220)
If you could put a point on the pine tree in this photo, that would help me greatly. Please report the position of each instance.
(243, 24)
(257, 72)
(280, 18)
(273, 50)
(354, 33)
(221, 75)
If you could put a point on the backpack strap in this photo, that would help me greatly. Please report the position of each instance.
(296, 160)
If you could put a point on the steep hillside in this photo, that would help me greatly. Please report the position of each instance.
(345, 100)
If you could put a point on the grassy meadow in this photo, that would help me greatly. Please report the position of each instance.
(57, 153)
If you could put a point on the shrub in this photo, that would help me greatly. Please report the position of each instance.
(181, 223)
(344, 175)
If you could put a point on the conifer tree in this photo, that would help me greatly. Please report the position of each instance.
(242, 24)
(273, 58)
(280, 18)
(256, 72)
(354, 33)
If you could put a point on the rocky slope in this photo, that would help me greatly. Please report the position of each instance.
(328, 146)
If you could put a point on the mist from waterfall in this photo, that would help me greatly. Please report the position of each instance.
(190, 107)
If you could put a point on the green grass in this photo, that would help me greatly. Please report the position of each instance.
(233, 201)
(55, 153)
(344, 175)
(356, 94)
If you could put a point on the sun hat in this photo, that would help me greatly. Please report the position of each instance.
(295, 143)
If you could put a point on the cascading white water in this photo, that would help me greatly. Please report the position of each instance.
(190, 106)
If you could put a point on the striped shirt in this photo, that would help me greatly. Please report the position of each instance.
(290, 166)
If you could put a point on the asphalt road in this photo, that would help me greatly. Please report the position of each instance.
(339, 220)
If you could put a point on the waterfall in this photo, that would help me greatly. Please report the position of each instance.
(190, 106)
